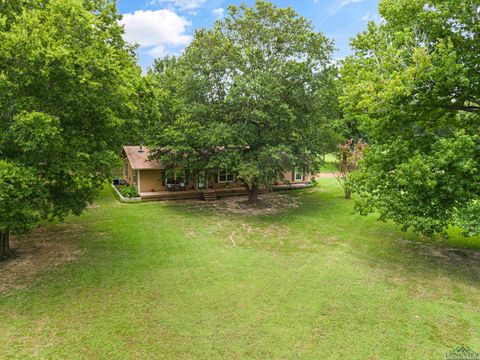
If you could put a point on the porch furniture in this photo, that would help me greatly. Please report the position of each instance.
(176, 187)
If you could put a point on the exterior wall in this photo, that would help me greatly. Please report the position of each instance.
(128, 177)
(155, 180)
(288, 177)
(213, 182)
(192, 184)
(151, 180)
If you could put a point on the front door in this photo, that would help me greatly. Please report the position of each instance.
(201, 180)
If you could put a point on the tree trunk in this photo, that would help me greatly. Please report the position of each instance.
(348, 193)
(252, 194)
(2, 250)
(5, 251)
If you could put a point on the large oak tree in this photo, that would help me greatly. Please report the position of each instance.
(253, 95)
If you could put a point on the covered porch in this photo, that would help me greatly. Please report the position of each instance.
(214, 194)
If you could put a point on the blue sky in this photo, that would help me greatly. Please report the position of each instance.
(166, 26)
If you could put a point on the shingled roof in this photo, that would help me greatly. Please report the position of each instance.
(138, 158)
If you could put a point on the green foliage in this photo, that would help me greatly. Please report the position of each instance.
(255, 95)
(467, 218)
(412, 87)
(129, 191)
(67, 84)
(22, 197)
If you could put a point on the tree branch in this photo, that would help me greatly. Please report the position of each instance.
(468, 108)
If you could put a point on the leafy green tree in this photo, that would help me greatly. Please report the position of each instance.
(256, 96)
(67, 84)
(413, 87)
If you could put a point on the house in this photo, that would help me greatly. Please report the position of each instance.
(155, 182)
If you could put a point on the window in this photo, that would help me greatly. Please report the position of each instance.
(298, 175)
(125, 169)
(225, 176)
(135, 177)
(175, 177)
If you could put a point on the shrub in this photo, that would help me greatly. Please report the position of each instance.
(129, 192)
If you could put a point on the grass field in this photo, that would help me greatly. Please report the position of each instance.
(329, 165)
(303, 280)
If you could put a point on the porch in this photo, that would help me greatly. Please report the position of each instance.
(213, 194)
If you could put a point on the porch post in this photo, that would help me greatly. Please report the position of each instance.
(138, 181)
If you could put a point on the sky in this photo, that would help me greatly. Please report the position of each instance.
(162, 27)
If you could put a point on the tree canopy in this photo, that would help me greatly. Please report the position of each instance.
(67, 86)
(256, 96)
(413, 87)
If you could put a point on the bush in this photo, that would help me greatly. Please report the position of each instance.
(129, 192)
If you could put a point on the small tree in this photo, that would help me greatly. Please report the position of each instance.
(349, 155)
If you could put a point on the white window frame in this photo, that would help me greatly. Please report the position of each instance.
(226, 173)
(302, 175)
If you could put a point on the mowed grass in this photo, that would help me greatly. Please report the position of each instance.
(329, 165)
(186, 281)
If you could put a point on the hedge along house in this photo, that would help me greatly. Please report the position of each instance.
(154, 181)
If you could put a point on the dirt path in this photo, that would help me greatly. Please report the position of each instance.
(325, 176)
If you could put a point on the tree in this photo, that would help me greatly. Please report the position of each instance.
(349, 156)
(257, 90)
(413, 86)
(67, 84)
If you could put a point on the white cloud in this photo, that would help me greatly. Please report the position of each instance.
(218, 12)
(157, 51)
(182, 4)
(154, 30)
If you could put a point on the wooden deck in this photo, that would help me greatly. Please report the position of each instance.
(212, 194)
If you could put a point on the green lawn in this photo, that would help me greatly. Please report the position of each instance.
(329, 166)
(179, 281)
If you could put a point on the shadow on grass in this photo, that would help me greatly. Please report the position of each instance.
(322, 213)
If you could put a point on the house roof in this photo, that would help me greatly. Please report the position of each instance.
(138, 157)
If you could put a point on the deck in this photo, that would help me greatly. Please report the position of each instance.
(212, 194)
